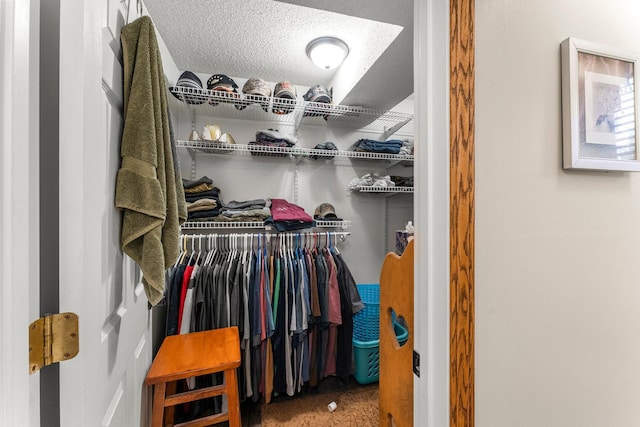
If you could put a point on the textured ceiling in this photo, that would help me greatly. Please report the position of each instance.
(267, 39)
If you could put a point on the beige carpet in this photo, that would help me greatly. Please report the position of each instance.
(357, 406)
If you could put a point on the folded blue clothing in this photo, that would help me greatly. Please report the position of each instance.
(391, 146)
(390, 142)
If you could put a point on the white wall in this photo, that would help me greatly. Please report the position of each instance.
(557, 283)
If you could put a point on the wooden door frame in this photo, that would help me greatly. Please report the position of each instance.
(462, 212)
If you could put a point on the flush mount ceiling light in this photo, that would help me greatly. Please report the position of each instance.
(327, 52)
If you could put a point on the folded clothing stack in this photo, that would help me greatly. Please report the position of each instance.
(402, 181)
(271, 138)
(371, 180)
(256, 210)
(287, 216)
(203, 198)
(401, 147)
(390, 146)
(407, 147)
(326, 146)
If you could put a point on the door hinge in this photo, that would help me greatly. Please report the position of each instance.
(416, 363)
(52, 339)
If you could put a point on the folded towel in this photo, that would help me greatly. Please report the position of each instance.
(199, 188)
(210, 194)
(245, 204)
(201, 205)
(187, 183)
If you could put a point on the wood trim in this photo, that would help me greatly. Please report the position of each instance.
(462, 213)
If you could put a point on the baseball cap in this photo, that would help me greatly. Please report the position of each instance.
(224, 84)
(317, 94)
(188, 88)
(284, 98)
(255, 86)
(258, 91)
(326, 211)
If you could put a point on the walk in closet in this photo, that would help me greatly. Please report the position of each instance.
(305, 174)
(299, 174)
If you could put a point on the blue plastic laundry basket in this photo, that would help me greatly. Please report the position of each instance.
(366, 335)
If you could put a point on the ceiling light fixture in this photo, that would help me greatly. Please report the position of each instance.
(327, 52)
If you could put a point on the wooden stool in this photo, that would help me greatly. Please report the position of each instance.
(191, 355)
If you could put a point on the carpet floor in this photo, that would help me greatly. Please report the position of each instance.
(357, 405)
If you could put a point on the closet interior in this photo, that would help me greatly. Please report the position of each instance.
(366, 188)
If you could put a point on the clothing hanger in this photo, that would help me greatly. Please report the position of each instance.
(299, 244)
(182, 240)
(245, 238)
(209, 250)
(199, 250)
(193, 249)
(291, 246)
(335, 246)
(234, 245)
(185, 251)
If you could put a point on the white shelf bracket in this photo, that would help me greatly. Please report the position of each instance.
(393, 129)
(299, 113)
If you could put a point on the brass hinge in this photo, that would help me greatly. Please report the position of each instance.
(52, 339)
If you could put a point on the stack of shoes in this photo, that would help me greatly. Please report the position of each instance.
(203, 199)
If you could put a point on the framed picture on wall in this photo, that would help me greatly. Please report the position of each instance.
(599, 107)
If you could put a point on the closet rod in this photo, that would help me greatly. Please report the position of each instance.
(341, 234)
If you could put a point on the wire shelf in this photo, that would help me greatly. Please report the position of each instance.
(372, 189)
(209, 225)
(289, 111)
(209, 239)
(294, 152)
(333, 224)
(199, 225)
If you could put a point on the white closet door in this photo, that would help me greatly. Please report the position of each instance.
(19, 211)
(103, 385)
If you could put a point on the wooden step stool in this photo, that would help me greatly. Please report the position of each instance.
(191, 355)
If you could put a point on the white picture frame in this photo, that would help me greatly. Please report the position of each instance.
(599, 107)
